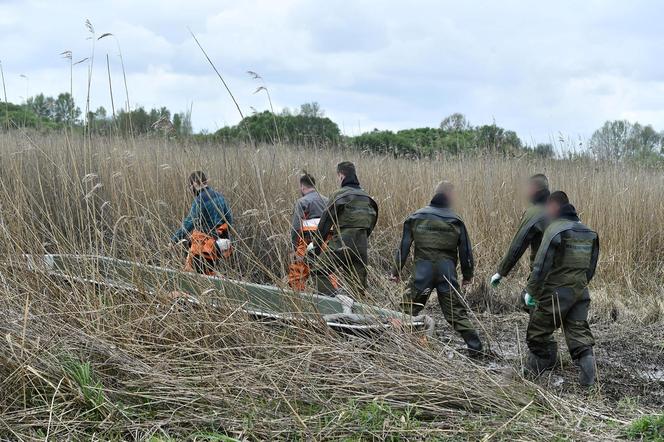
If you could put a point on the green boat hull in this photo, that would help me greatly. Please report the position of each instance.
(257, 300)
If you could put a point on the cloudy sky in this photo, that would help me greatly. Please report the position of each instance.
(541, 69)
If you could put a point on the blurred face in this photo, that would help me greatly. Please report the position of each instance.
(196, 187)
(451, 197)
(553, 209)
(530, 190)
(340, 178)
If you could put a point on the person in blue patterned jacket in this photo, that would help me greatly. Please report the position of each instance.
(206, 228)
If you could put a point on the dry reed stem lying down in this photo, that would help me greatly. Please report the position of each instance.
(159, 372)
(155, 372)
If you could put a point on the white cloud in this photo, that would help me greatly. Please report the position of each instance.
(539, 69)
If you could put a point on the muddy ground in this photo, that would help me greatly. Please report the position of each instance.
(630, 358)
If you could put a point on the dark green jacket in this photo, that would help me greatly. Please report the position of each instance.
(567, 257)
(349, 219)
(439, 234)
(532, 226)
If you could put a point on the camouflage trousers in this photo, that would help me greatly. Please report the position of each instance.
(439, 276)
(333, 271)
(567, 309)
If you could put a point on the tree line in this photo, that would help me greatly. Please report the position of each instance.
(308, 125)
(46, 113)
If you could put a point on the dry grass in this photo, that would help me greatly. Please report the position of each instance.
(125, 198)
(201, 372)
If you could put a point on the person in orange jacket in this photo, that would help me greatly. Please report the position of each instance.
(306, 216)
(206, 227)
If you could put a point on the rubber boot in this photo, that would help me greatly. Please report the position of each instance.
(588, 370)
(474, 344)
(536, 365)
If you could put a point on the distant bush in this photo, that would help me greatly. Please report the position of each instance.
(13, 115)
(383, 141)
(308, 126)
(455, 135)
(542, 150)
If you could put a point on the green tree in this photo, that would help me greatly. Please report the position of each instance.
(312, 109)
(42, 106)
(620, 139)
(177, 122)
(455, 123)
(544, 150)
(100, 113)
(13, 115)
(385, 141)
(65, 110)
(182, 123)
(496, 139)
(306, 127)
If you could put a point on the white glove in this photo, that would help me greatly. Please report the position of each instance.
(529, 300)
(223, 244)
(310, 247)
(495, 280)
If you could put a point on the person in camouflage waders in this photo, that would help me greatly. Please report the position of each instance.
(565, 263)
(531, 228)
(342, 240)
(441, 241)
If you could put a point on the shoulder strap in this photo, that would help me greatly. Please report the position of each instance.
(558, 227)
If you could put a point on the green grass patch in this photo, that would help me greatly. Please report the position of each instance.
(650, 428)
(91, 389)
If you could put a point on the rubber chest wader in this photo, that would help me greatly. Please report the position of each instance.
(344, 260)
(564, 299)
(438, 234)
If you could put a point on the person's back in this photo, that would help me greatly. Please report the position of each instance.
(214, 211)
(343, 233)
(353, 220)
(440, 240)
(306, 216)
(436, 234)
(313, 205)
(206, 228)
(573, 256)
(564, 265)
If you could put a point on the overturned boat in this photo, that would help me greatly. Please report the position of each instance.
(257, 300)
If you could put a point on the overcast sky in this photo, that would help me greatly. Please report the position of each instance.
(563, 67)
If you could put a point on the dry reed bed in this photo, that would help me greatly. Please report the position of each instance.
(124, 198)
(157, 372)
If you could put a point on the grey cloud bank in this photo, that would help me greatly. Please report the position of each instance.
(541, 70)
